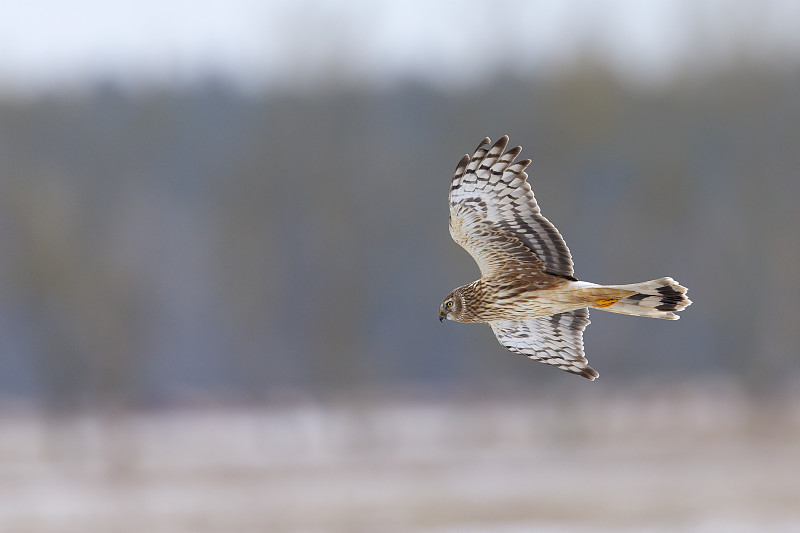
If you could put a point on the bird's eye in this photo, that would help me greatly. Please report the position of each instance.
(449, 304)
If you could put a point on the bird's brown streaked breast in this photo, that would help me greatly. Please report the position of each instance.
(513, 298)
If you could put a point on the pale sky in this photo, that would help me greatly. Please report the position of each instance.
(47, 44)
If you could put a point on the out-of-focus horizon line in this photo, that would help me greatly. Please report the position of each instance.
(265, 46)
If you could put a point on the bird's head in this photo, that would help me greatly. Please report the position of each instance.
(451, 306)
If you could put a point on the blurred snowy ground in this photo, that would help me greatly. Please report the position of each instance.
(687, 459)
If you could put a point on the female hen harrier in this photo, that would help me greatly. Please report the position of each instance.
(527, 292)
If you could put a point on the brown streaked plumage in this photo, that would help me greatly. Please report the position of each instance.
(527, 292)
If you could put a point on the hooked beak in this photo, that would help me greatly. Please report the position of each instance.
(442, 315)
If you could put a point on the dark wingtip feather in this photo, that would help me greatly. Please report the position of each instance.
(461, 166)
(586, 372)
(514, 152)
(485, 141)
(501, 143)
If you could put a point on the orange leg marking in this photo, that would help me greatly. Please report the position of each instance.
(605, 302)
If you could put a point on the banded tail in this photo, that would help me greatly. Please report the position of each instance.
(659, 298)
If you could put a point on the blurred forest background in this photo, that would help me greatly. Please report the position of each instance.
(204, 242)
(208, 241)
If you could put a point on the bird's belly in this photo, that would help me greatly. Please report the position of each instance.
(533, 304)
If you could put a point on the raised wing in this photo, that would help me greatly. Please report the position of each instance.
(555, 340)
(494, 215)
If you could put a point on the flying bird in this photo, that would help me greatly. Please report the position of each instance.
(527, 292)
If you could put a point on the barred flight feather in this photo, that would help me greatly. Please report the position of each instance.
(555, 340)
(490, 176)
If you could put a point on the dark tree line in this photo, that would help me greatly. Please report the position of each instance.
(202, 243)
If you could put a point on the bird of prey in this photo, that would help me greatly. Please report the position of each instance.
(527, 292)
